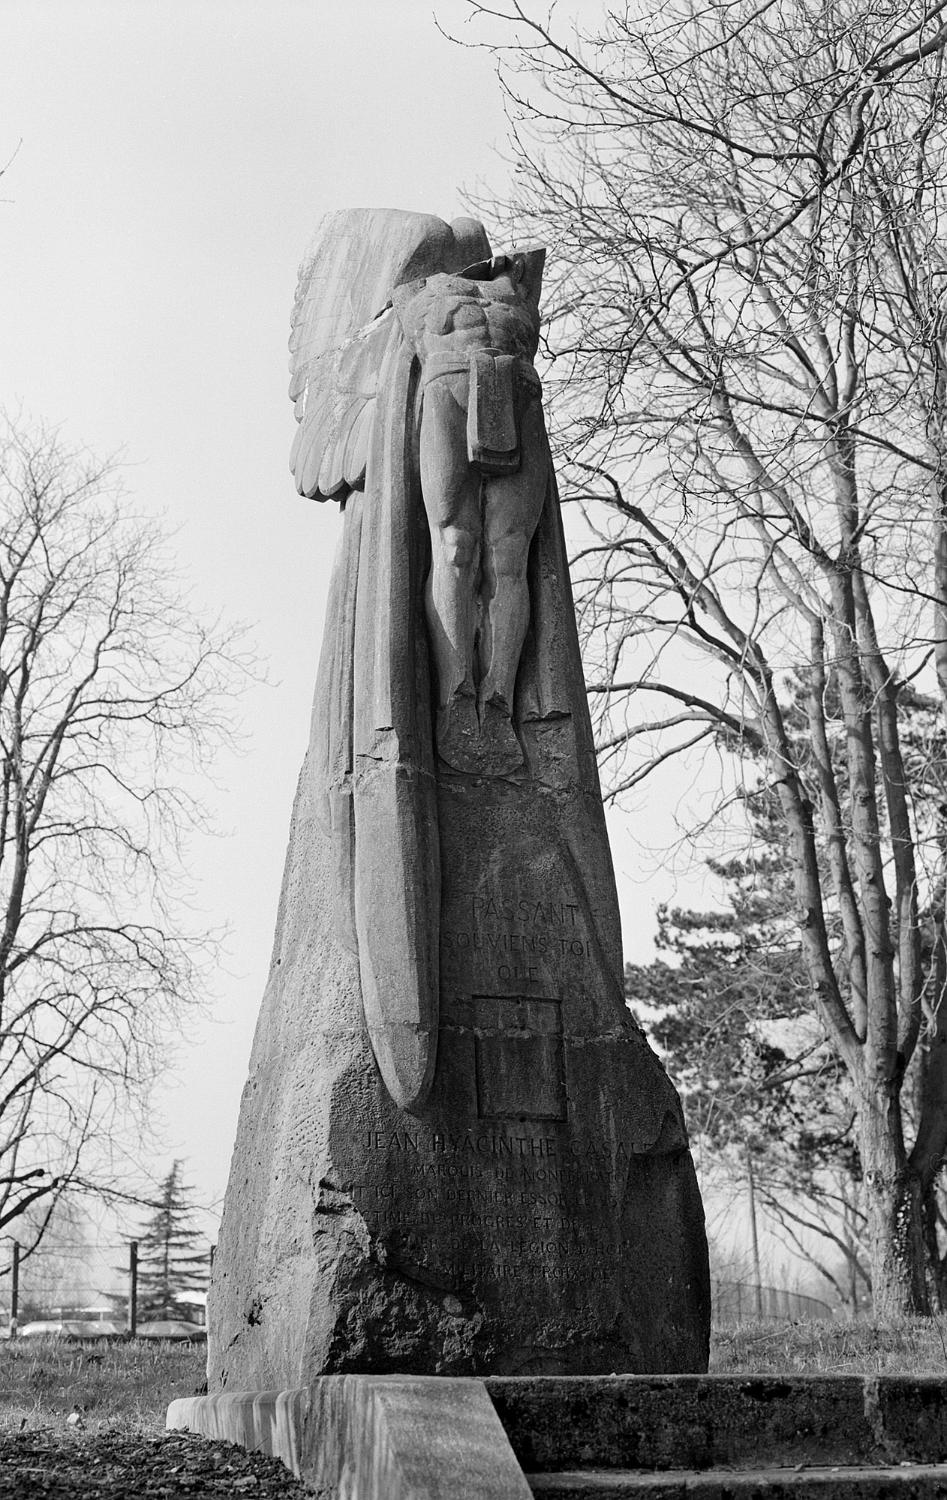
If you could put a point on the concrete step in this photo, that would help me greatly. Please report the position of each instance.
(702, 1422)
(852, 1482)
(642, 1437)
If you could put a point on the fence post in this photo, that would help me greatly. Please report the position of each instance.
(132, 1288)
(757, 1274)
(15, 1290)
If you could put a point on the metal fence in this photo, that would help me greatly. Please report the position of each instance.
(56, 1290)
(748, 1302)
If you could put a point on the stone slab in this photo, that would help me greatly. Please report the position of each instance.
(700, 1422)
(920, 1482)
(421, 1438)
(263, 1421)
(363, 1437)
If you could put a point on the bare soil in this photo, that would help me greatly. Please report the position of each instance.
(58, 1463)
(79, 1422)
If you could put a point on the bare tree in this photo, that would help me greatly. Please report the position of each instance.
(749, 370)
(114, 699)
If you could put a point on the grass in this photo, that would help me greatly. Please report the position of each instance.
(122, 1384)
(910, 1346)
(130, 1384)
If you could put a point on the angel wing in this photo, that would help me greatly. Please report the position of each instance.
(335, 405)
(343, 330)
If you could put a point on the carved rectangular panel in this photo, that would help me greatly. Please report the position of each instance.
(520, 1066)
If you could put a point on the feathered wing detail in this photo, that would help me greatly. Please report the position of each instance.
(335, 407)
(343, 331)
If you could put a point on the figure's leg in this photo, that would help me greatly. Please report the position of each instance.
(451, 493)
(513, 506)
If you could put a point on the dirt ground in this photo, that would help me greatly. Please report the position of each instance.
(82, 1422)
(59, 1463)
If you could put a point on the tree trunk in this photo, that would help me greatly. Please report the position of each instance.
(894, 1201)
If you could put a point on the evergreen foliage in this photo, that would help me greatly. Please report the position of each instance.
(170, 1264)
(728, 1004)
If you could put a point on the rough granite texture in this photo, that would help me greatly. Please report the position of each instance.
(723, 1421)
(540, 1215)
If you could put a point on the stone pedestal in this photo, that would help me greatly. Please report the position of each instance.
(540, 1213)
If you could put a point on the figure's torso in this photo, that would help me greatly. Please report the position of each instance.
(453, 314)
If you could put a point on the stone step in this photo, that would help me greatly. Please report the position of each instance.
(703, 1422)
(643, 1437)
(838, 1482)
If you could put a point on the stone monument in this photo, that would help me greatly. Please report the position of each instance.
(456, 1152)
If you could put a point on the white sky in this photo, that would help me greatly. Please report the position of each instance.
(175, 158)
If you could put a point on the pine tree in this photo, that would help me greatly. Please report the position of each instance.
(727, 1003)
(170, 1265)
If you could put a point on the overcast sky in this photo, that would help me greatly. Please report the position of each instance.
(174, 159)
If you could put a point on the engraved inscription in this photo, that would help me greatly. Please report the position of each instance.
(529, 1193)
(499, 1204)
(526, 912)
(525, 938)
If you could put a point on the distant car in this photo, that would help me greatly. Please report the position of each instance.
(171, 1328)
(78, 1329)
(45, 1328)
(89, 1328)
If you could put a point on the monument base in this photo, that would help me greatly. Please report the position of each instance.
(372, 1438)
(540, 1213)
(416, 1438)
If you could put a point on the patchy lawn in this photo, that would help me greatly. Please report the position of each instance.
(911, 1346)
(43, 1380)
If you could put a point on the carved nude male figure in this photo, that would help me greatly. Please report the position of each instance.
(484, 470)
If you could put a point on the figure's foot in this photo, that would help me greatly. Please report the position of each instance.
(481, 745)
(458, 734)
(500, 749)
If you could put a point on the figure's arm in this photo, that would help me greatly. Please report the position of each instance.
(530, 260)
(410, 306)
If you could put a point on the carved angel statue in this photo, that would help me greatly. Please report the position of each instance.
(450, 645)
